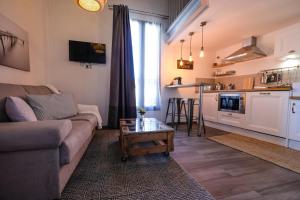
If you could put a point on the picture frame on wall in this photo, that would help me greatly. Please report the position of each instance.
(186, 65)
(14, 45)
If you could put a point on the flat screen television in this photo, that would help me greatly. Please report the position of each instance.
(87, 52)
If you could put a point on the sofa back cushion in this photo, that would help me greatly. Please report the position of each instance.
(17, 91)
(53, 106)
(5, 91)
(37, 90)
(18, 110)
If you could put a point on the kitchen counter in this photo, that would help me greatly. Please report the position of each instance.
(295, 97)
(252, 90)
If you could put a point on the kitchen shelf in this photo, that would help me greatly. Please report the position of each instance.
(229, 73)
(222, 65)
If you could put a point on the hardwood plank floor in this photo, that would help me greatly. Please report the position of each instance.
(229, 174)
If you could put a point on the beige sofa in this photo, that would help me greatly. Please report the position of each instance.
(38, 158)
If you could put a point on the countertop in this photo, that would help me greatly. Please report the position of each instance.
(252, 90)
(295, 97)
(187, 85)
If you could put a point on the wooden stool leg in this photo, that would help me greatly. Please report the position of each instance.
(190, 115)
(173, 112)
(167, 114)
(185, 112)
(178, 101)
(204, 129)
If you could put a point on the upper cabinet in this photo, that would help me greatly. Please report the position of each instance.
(287, 42)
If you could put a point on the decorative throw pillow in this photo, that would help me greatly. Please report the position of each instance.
(18, 110)
(53, 106)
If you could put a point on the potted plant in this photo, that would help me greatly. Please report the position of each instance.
(142, 112)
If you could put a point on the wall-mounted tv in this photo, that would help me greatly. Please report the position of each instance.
(87, 52)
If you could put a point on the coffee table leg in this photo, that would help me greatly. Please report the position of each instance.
(124, 158)
(124, 149)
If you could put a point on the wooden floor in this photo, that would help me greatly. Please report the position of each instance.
(230, 174)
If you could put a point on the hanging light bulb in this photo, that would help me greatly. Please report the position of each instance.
(201, 53)
(181, 60)
(191, 56)
(202, 48)
(181, 63)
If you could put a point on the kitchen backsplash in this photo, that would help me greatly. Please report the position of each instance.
(288, 76)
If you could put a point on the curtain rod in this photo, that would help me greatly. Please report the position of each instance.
(144, 13)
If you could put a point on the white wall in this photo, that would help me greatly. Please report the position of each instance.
(29, 15)
(66, 21)
(202, 69)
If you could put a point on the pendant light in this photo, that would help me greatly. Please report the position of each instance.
(181, 60)
(191, 56)
(202, 48)
(92, 5)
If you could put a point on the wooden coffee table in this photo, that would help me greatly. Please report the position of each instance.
(141, 137)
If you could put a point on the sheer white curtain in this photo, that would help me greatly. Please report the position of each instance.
(146, 57)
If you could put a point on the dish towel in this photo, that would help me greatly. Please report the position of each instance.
(82, 108)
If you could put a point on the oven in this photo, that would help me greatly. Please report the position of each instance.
(232, 102)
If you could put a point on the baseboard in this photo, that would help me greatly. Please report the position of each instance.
(294, 145)
(248, 133)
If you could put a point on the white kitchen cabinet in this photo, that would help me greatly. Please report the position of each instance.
(294, 120)
(267, 112)
(210, 106)
(232, 119)
(287, 41)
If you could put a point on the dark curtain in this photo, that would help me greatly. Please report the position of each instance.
(122, 86)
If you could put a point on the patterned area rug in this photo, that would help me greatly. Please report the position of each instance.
(102, 175)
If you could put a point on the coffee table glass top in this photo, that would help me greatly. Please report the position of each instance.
(147, 125)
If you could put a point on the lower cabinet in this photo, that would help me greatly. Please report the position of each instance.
(266, 112)
(210, 106)
(294, 120)
(233, 119)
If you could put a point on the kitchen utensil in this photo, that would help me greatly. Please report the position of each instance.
(248, 83)
(219, 86)
(231, 86)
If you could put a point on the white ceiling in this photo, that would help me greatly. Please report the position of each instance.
(231, 21)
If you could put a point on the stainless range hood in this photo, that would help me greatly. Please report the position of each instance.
(249, 51)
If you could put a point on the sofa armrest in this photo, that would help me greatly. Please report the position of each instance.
(19, 136)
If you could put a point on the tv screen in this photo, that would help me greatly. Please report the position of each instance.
(87, 52)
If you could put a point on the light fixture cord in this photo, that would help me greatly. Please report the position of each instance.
(191, 45)
(181, 50)
(202, 35)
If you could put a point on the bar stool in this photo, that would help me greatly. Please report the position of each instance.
(191, 102)
(176, 105)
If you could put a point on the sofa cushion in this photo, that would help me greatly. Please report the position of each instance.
(37, 90)
(18, 110)
(85, 117)
(5, 91)
(53, 106)
(81, 131)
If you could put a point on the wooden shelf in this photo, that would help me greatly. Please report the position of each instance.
(228, 73)
(222, 65)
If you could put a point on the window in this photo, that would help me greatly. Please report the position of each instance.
(146, 57)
